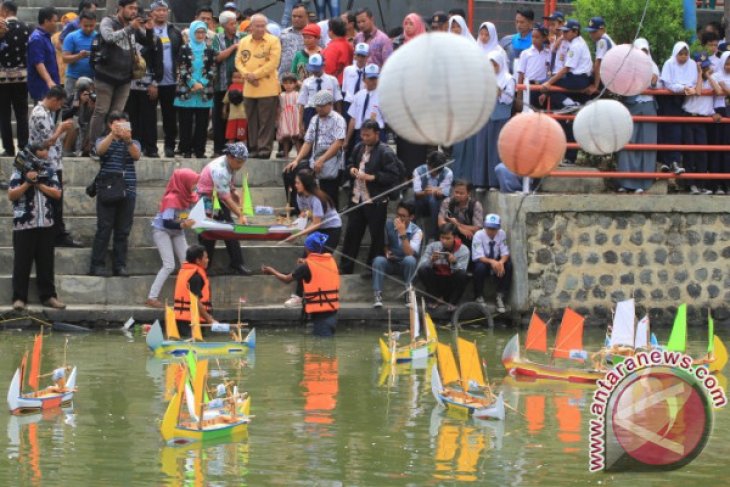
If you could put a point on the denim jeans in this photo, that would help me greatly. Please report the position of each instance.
(286, 17)
(321, 5)
(381, 266)
(117, 218)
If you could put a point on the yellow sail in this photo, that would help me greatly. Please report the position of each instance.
(431, 333)
(201, 376)
(471, 369)
(171, 324)
(447, 365)
(172, 413)
(195, 318)
(720, 353)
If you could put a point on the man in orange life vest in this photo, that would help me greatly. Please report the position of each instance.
(193, 278)
(321, 280)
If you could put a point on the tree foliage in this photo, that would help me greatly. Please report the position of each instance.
(662, 27)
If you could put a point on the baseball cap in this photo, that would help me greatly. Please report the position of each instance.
(315, 62)
(323, 97)
(542, 28)
(372, 71)
(362, 49)
(492, 221)
(557, 15)
(230, 6)
(722, 47)
(701, 57)
(312, 30)
(595, 23)
(439, 17)
(571, 24)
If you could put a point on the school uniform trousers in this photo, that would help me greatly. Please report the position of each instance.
(695, 161)
(570, 82)
(670, 133)
(483, 271)
(718, 162)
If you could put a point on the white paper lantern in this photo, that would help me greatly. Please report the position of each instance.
(603, 127)
(626, 70)
(438, 88)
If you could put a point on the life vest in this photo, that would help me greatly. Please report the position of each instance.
(322, 292)
(182, 291)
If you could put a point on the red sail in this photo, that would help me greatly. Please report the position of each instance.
(35, 362)
(570, 334)
(536, 335)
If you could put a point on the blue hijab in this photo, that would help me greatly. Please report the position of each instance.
(197, 48)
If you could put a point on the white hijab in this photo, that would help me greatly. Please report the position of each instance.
(642, 43)
(674, 73)
(503, 76)
(721, 75)
(493, 41)
(462, 23)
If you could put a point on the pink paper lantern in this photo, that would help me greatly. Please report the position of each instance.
(626, 70)
(531, 144)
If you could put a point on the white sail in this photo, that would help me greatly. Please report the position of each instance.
(623, 324)
(415, 316)
(190, 400)
(642, 333)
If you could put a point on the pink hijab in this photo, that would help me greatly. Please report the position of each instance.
(417, 22)
(179, 191)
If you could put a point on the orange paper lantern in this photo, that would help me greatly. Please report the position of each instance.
(532, 145)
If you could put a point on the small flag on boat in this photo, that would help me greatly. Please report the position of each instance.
(578, 355)
(246, 203)
(216, 201)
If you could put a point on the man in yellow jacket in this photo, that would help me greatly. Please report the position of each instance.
(257, 60)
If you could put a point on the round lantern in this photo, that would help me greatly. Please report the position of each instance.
(603, 127)
(626, 70)
(438, 88)
(531, 144)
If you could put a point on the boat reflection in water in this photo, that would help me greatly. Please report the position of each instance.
(459, 442)
(24, 439)
(319, 387)
(204, 464)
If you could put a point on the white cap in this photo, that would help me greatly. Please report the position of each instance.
(492, 221)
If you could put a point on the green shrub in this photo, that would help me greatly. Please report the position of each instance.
(663, 24)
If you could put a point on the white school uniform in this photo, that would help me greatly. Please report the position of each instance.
(373, 108)
(578, 59)
(603, 45)
(309, 89)
(700, 104)
(561, 55)
(534, 64)
(349, 80)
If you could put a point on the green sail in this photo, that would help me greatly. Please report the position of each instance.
(678, 338)
(710, 333)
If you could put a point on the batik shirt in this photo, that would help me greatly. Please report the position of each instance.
(41, 126)
(33, 209)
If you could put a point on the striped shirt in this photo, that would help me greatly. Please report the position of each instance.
(118, 160)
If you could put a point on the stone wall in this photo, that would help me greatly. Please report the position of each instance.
(590, 251)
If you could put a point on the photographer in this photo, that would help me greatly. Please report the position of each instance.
(79, 108)
(33, 187)
(45, 133)
(442, 268)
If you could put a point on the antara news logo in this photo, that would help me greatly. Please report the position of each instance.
(652, 412)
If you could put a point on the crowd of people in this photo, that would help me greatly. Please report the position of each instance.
(311, 87)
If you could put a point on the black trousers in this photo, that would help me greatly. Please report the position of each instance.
(117, 218)
(670, 133)
(166, 98)
(718, 162)
(143, 118)
(449, 288)
(695, 161)
(59, 226)
(219, 123)
(33, 245)
(14, 98)
(232, 246)
(193, 130)
(372, 217)
(483, 271)
(570, 82)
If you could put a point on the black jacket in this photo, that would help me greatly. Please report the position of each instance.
(113, 63)
(383, 164)
(176, 42)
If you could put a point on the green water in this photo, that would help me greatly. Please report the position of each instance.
(321, 418)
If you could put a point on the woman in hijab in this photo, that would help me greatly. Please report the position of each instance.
(457, 25)
(644, 133)
(679, 75)
(195, 90)
(412, 155)
(720, 161)
(488, 39)
(487, 144)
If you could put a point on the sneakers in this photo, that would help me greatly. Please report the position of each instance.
(154, 303)
(294, 301)
(499, 303)
(677, 169)
(720, 191)
(54, 303)
(621, 190)
(663, 168)
(479, 300)
(706, 191)
(694, 190)
(19, 305)
(378, 300)
(639, 191)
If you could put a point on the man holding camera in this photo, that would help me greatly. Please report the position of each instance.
(33, 188)
(14, 36)
(442, 268)
(44, 132)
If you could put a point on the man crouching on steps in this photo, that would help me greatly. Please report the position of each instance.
(321, 280)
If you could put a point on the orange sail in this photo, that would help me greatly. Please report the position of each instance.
(35, 362)
(570, 334)
(536, 335)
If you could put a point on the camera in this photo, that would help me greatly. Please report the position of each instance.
(92, 96)
(25, 162)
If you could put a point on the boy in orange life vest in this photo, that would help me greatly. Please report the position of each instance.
(193, 278)
(321, 279)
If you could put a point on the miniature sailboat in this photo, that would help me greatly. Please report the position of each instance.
(418, 348)
(210, 229)
(59, 394)
(626, 337)
(568, 345)
(463, 387)
(175, 346)
(716, 357)
(191, 417)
